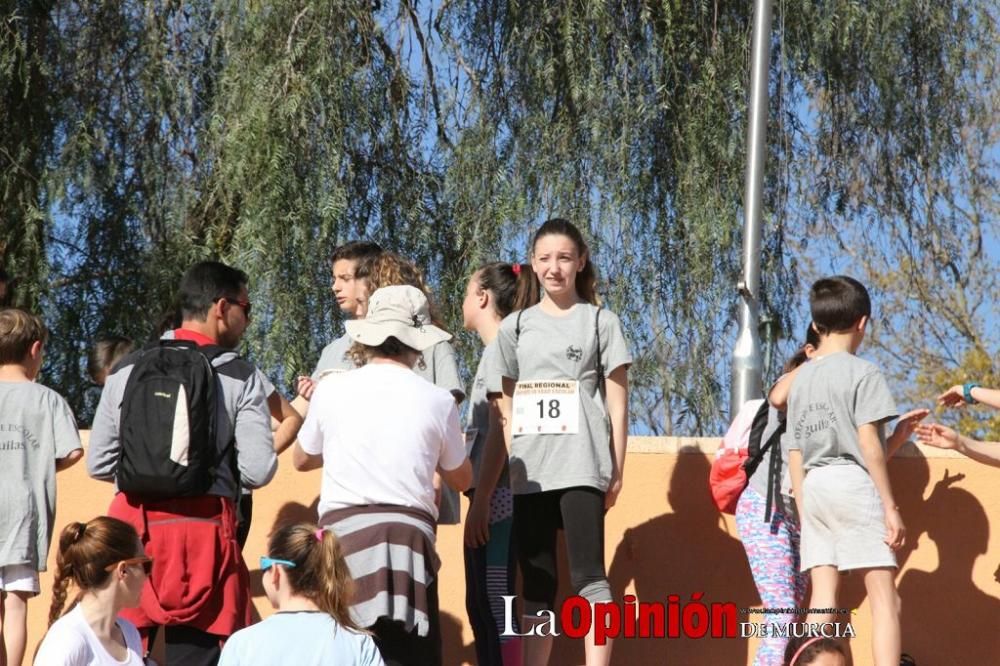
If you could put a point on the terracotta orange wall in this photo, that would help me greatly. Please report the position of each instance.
(665, 537)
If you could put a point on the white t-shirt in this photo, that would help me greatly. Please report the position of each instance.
(382, 431)
(71, 642)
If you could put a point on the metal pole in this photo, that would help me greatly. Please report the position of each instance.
(747, 362)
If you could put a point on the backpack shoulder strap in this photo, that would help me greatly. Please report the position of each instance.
(757, 428)
(601, 383)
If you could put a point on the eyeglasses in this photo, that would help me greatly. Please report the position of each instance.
(268, 562)
(145, 562)
(243, 304)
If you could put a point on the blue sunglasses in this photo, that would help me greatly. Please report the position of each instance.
(268, 562)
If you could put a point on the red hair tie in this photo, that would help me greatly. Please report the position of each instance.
(516, 268)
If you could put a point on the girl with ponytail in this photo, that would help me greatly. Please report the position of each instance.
(105, 560)
(493, 292)
(563, 369)
(306, 579)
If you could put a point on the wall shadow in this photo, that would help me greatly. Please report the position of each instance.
(947, 618)
(909, 477)
(684, 552)
(454, 649)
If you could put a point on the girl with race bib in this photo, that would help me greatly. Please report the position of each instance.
(493, 292)
(564, 364)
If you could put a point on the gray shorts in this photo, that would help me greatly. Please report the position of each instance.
(843, 523)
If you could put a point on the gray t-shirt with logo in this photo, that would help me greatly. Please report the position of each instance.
(478, 425)
(36, 429)
(564, 347)
(831, 397)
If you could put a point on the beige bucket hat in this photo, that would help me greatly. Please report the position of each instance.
(401, 312)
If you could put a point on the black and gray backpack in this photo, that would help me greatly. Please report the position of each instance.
(168, 422)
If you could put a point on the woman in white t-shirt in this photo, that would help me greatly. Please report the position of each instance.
(380, 433)
(105, 559)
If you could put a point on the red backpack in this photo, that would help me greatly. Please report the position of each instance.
(739, 454)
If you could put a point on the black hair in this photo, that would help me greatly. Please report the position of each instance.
(512, 288)
(837, 303)
(205, 283)
(355, 251)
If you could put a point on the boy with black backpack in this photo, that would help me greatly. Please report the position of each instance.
(181, 426)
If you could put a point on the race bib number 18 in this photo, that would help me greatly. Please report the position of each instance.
(550, 407)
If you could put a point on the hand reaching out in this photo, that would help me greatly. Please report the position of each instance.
(953, 397)
(937, 435)
(908, 422)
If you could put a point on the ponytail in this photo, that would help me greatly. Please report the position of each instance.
(86, 550)
(320, 573)
(586, 280)
(337, 586)
(513, 286)
(800, 357)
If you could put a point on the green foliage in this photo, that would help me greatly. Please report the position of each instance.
(139, 136)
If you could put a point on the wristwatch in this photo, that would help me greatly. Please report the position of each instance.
(967, 391)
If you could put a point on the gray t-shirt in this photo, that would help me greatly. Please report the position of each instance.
(564, 347)
(478, 424)
(334, 357)
(36, 429)
(441, 369)
(831, 397)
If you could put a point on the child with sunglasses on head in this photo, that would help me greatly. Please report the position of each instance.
(106, 561)
(306, 579)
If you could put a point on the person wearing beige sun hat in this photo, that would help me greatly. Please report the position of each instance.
(401, 313)
(379, 433)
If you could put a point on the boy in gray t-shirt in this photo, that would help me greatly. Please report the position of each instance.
(38, 437)
(837, 412)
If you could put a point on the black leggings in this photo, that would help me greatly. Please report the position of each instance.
(537, 518)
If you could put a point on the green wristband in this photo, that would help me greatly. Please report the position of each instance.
(967, 390)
